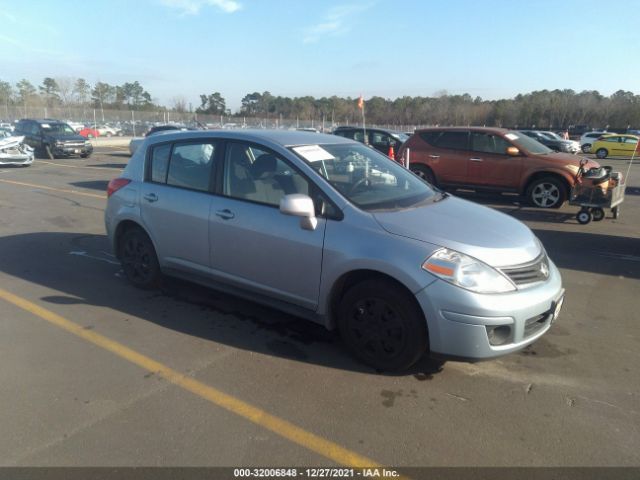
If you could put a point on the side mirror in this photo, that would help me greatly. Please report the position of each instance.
(300, 205)
(513, 151)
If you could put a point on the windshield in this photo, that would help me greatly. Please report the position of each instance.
(523, 142)
(58, 128)
(366, 177)
(400, 136)
(552, 135)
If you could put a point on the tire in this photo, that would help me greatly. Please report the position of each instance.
(139, 260)
(586, 148)
(597, 214)
(382, 325)
(602, 153)
(108, 134)
(423, 172)
(85, 155)
(583, 217)
(547, 192)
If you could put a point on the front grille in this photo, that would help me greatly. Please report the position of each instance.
(535, 324)
(73, 145)
(529, 273)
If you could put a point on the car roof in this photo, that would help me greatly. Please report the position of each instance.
(348, 127)
(477, 129)
(283, 138)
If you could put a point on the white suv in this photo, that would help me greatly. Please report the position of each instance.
(588, 138)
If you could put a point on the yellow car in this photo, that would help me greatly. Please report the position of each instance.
(615, 146)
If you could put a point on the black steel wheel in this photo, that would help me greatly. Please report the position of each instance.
(139, 260)
(597, 214)
(382, 325)
(423, 172)
(547, 192)
(583, 217)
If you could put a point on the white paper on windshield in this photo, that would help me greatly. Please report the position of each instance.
(45, 125)
(511, 136)
(313, 153)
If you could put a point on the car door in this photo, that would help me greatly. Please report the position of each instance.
(176, 200)
(490, 165)
(254, 245)
(449, 156)
(628, 146)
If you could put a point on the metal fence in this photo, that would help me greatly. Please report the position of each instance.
(91, 116)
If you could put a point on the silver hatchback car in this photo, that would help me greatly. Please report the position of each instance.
(331, 230)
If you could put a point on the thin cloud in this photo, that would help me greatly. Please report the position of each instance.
(193, 7)
(335, 22)
(9, 16)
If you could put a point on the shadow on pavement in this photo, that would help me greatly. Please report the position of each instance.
(92, 184)
(109, 165)
(90, 276)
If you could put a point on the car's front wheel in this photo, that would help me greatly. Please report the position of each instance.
(423, 172)
(139, 260)
(586, 148)
(382, 325)
(602, 153)
(547, 192)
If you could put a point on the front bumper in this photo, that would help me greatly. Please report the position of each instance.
(461, 322)
(69, 150)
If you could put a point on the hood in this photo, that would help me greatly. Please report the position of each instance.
(481, 232)
(66, 137)
(560, 159)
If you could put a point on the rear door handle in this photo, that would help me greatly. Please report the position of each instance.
(151, 197)
(434, 156)
(225, 214)
(475, 159)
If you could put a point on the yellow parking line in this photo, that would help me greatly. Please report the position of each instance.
(43, 187)
(279, 426)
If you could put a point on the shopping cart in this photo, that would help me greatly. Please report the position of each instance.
(596, 189)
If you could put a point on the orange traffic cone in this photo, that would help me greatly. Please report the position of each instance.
(391, 154)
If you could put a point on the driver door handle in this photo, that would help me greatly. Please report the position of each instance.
(150, 197)
(434, 156)
(475, 159)
(225, 214)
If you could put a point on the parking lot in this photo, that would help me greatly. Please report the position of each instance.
(97, 373)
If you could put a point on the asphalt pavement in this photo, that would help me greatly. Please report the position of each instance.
(97, 373)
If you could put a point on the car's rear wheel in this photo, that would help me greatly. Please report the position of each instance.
(602, 153)
(139, 260)
(586, 148)
(382, 325)
(423, 172)
(547, 192)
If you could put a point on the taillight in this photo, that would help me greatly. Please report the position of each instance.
(116, 184)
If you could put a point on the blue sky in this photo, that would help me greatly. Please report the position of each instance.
(491, 48)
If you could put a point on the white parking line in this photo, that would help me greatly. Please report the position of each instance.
(82, 253)
(80, 166)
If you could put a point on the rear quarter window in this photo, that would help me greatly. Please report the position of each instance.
(159, 163)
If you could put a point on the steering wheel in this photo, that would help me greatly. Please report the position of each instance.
(358, 184)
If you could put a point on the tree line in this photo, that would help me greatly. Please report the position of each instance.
(543, 108)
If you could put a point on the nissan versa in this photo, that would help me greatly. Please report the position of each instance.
(331, 230)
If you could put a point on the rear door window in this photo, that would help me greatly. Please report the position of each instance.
(455, 140)
(191, 165)
(489, 143)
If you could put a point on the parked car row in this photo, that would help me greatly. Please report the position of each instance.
(483, 158)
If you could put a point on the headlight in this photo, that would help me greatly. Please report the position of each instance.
(87, 143)
(466, 272)
(59, 144)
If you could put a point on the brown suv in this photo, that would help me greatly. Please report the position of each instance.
(497, 159)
